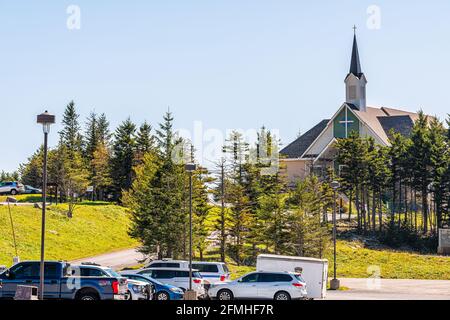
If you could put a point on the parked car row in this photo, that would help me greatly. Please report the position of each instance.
(158, 280)
(14, 188)
(63, 281)
(212, 280)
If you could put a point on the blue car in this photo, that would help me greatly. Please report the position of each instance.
(162, 291)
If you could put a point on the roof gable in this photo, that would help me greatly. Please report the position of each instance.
(297, 148)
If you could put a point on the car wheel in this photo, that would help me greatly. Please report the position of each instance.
(162, 296)
(282, 295)
(88, 295)
(128, 296)
(13, 192)
(225, 295)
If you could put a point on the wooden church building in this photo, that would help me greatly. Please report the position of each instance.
(314, 151)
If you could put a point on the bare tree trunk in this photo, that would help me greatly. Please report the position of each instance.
(380, 214)
(350, 205)
(425, 209)
(358, 207)
(363, 195)
(399, 203)
(374, 209)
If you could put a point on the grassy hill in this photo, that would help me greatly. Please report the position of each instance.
(100, 227)
(354, 259)
(94, 229)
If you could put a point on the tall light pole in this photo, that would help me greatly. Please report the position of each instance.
(46, 120)
(334, 283)
(190, 168)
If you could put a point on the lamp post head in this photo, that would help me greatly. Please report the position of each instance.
(46, 119)
(335, 185)
(189, 167)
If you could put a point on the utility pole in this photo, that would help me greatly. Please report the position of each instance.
(334, 283)
(222, 211)
(46, 120)
(190, 294)
(8, 199)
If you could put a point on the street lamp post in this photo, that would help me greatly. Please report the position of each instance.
(46, 120)
(334, 283)
(190, 168)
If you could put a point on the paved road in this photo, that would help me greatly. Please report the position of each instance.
(392, 289)
(116, 260)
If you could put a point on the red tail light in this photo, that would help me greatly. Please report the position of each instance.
(298, 285)
(115, 287)
(222, 278)
(197, 281)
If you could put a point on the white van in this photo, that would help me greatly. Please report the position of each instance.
(212, 272)
(313, 271)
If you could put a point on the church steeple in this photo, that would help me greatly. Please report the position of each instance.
(355, 82)
(355, 65)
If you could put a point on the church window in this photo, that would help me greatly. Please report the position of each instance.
(341, 169)
(318, 170)
(352, 92)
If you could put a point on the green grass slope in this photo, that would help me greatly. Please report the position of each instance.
(94, 229)
(356, 261)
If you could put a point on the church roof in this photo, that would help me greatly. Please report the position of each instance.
(382, 120)
(379, 120)
(400, 124)
(370, 118)
(299, 146)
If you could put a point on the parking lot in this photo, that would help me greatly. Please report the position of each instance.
(355, 289)
(391, 289)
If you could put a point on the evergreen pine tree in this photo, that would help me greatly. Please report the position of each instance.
(421, 162)
(122, 157)
(70, 135)
(91, 136)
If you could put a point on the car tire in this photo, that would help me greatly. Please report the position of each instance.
(87, 295)
(225, 295)
(128, 296)
(282, 295)
(13, 192)
(162, 296)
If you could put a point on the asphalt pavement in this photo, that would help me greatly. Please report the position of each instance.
(116, 260)
(391, 289)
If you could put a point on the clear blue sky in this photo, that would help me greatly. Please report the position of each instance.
(227, 63)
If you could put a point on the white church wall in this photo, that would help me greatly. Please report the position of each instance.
(365, 132)
(323, 140)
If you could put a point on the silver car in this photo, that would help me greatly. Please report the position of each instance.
(139, 290)
(11, 187)
(261, 285)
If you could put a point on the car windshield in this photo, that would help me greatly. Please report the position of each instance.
(112, 273)
(155, 281)
(144, 278)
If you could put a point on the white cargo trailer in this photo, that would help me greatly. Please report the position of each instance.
(314, 271)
